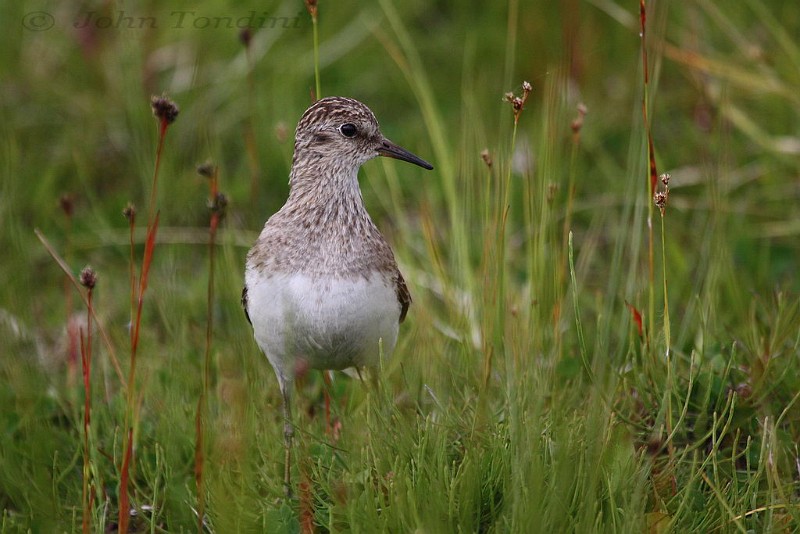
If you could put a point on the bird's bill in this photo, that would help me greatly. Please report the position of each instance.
(391, 150)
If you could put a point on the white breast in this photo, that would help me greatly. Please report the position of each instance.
(320, 322)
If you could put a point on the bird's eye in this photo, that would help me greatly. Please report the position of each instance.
(348, 130)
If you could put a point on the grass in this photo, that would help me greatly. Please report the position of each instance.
(528, 392)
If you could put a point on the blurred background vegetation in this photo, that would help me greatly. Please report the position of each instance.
(496, 414)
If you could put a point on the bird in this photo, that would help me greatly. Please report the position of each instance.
(322, 289)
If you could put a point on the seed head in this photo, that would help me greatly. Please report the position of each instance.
(88, 278)
(164, 109)
(218, 204)
(518, 103)
(486, 157)
(207, 169)
(130, 213)
(515, 101)
(311, 5)
(660, 198)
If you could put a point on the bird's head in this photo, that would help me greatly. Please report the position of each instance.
(344, 133)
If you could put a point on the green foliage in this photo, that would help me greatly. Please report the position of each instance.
(522, 396)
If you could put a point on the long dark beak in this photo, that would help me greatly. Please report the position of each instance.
(391, 150)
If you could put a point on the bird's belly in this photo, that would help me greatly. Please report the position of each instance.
(323, 323)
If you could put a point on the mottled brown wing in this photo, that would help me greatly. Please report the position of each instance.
(403, 296)
(244, 304)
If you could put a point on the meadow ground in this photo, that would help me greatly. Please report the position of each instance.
(566, 365)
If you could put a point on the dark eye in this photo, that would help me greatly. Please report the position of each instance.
(348, 130)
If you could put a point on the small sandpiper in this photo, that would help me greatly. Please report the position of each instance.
(322, 288)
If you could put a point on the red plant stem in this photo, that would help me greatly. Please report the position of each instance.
(152, 229)
(162, 133)
(652, 172)
(150, 243)
(86, 361)
(87, 366)
(146, 262)
(124, 501)
(73, 340)
(637, 318)
(132, 275)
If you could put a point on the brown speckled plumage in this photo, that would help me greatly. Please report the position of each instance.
(324, 228)
(322, 287)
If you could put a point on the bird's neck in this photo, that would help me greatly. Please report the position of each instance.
(330, 193)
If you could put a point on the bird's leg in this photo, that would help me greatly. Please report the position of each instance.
(288, 433)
